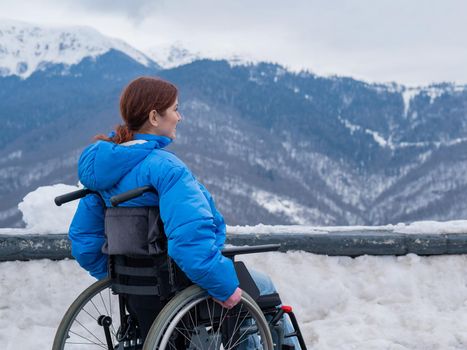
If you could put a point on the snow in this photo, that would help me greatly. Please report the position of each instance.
(174, 54)
(380, 140)
(25, 47)
(244, 60)
(170, 56)
(352, 127)
(368, 302)
(12, 156)
(407, 96)
(418, 227)
(383, 143)
(198, 105)
(432, 91)
(40, 213)
(33, 298)
(276, 204)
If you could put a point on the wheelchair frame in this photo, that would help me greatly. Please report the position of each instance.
(123, 333)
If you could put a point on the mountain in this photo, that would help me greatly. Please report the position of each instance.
(315, 150)
(175, 55)
(172, 55)
(26, 48)
(272, 146)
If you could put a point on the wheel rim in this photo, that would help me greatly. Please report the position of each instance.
(85, 330)
(212, 333)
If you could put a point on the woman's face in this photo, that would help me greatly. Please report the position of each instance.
(167, 123)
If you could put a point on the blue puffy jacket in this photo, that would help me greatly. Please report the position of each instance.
(194, 228)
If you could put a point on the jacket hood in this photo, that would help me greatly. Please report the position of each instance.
(103, 164)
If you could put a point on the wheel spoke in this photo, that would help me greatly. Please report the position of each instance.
(184, 335)
(91, 333)
(98, 312)
(102, 345)
(114, 333)
(250, 327)
(239, 324)
(211, 320)
(94, 318)
(191, 318)
(222, 320)
(87, 344)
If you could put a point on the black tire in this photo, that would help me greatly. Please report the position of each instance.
(79, 327)
(169, 330)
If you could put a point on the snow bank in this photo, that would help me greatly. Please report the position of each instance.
(40, 213)
(369, 302)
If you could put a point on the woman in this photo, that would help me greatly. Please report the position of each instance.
(134, 156)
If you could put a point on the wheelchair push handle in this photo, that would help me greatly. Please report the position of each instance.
(68, 197)
(232, 251)
(115, 200)
(126, 196)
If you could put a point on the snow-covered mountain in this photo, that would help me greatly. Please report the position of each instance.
(26, 48)
(174, 55)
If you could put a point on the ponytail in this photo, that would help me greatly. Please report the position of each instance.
(122, 134)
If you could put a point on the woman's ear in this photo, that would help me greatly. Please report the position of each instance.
(154, 118)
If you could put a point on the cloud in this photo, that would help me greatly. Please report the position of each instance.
(136, 10)
(413, 42)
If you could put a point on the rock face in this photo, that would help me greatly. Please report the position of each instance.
(272, 146)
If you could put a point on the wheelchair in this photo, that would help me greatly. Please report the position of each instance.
(148, 303)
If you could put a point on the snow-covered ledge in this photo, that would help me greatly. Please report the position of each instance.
(46, 224)
(422, 238)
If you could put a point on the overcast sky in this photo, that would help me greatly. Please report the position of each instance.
(414, 42)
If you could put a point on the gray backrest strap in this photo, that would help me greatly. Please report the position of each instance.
(136, 271)
(136, 290)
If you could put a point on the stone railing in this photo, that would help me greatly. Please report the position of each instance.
(345, 243)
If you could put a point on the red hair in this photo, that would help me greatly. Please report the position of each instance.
(140, 97)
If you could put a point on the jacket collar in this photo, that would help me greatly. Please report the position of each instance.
(103, 164)
(161, 141)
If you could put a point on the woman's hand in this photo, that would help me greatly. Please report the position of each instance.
(233, 300)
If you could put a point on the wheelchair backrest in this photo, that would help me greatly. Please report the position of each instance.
(134, 231)
(137, 249)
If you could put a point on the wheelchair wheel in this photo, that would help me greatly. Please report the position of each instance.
(92, 321)
(192, 320)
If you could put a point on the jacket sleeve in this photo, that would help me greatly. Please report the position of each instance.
(87, 236)
(218, 218)
(191, 231)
